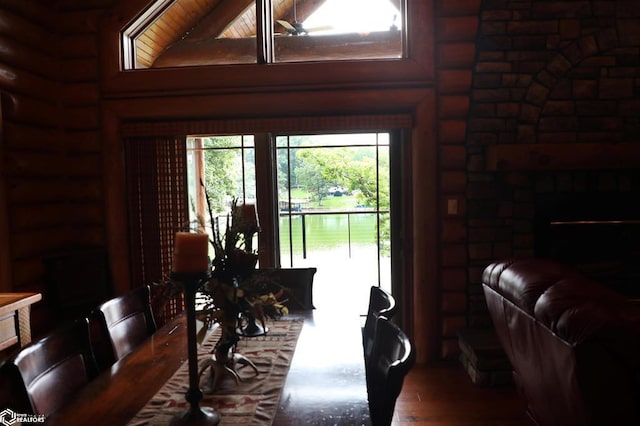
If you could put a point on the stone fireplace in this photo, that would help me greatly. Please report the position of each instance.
(552, 145)
(589, 219)
(597, 232)
(552, 139)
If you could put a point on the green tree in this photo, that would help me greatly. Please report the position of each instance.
(369, 181)
(362, 171)
(220, 173)
(310, 172)
(353, 168)
(288, 160)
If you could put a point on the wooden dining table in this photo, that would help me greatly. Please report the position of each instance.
(325, 383)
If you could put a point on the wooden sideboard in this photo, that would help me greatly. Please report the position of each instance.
(15, 318)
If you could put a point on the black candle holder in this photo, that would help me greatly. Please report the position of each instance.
(195, 415)
(252, 328)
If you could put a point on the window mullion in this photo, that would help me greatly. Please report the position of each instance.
(264, 31)
(266, 200)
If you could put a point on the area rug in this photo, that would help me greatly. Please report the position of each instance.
(254, 401)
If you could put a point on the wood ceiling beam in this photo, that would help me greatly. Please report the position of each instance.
(288, 48)
(217, 20)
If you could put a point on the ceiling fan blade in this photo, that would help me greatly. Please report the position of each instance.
(286, 25)
(320, 28)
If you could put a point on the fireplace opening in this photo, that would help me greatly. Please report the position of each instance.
(597, 233)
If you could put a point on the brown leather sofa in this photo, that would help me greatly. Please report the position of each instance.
(574, 344)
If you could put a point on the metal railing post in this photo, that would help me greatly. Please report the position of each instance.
(304, 236)
(349, 233)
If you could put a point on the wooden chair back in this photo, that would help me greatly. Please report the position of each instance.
(392, 356)
(101, 345)
(298, 284)
(13, 395)
(381, 303)
(129, 320)
(167, 301)
(53, 368)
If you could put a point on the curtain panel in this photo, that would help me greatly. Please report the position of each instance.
(156, 184)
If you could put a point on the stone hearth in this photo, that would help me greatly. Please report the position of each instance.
(483, 358)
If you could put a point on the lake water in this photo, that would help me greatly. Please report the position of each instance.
(344, 250)
(328, 230)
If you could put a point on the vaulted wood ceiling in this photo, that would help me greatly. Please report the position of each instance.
(196, 21)
(200, 32)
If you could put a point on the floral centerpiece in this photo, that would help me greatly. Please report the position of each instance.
(237, 297)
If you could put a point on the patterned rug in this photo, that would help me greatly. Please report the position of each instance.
(253, 401)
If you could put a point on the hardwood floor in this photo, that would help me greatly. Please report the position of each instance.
(443, 395)
(440, 394)
(436, 395)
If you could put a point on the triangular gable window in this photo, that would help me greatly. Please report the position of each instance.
(174, 33)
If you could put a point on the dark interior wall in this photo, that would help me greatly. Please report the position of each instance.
(51, 164)
(33, 206)
(565, 73)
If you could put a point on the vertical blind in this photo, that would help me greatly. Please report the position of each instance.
(157, 203)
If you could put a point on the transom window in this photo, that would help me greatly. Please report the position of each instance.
(210, 32)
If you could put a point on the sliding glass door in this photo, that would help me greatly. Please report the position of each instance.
(332, 196)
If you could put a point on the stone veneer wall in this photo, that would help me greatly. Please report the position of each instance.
(546, 72)
(456, 30)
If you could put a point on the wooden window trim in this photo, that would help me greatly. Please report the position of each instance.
(416, 68)
(364, 122)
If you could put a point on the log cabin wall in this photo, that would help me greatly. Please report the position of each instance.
(51, 164)
(33, 148)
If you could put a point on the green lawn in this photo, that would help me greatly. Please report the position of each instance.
(337, 203)
(328, 202)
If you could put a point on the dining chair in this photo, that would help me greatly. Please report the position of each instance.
(297, 282)
(49, 371)
(167, 301)
(100, 340)
(392, 356)
(129, 320)
(381, 303)
(13, 395)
